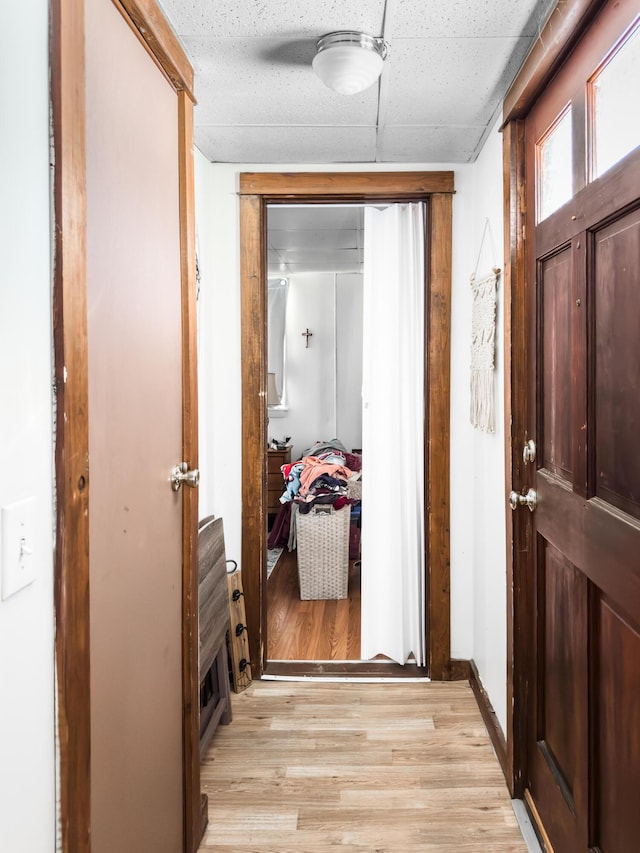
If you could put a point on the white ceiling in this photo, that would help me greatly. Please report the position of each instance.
(450, 63)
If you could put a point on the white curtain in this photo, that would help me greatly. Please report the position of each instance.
(393, 535)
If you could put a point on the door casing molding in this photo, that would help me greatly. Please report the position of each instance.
(72, 470)
(256, 191)
(560, 34)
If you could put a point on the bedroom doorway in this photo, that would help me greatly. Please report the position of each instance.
(257, 192)
(346, 392)
(315, 258)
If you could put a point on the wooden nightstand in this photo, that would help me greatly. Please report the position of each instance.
(275, 483)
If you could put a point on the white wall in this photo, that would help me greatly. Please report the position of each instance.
(349, 354)
(27, 771)
(489, 518)
(477, 468)
(462, 503)
(478, 550)
(324, 380)
(211, 301)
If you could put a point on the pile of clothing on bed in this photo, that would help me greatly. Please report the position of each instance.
(321, 476)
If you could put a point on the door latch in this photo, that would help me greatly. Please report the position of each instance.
(181, 474)
(530, 500)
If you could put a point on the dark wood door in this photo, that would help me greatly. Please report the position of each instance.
(583, 249)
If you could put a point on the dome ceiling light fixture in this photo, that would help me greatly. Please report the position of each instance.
(349, 62)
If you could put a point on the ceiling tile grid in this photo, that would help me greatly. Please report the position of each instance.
(450, 64)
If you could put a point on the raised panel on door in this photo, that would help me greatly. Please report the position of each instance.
(555, 295)
(561, 690)
(616, 392)
(616, 819)
(558, 764)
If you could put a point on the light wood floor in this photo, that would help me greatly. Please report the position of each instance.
(392, 768)
(310, 630)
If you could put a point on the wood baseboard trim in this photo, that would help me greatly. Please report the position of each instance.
(352, 669)
(489, 716)
(459, 670)
(456, 670)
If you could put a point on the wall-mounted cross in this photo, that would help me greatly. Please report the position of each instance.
(307, 334)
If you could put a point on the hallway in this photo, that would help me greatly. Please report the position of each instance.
(326, 766)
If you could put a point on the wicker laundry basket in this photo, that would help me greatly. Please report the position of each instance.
(323, 552)
(354, 489)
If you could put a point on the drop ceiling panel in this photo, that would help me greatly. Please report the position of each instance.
(467, 18)
(237, 83)
(293, 18)
(329, 266)
(287, 144)
(314, 257)
(424, 73)
(325, 239)
(435, 144)
(313, 218)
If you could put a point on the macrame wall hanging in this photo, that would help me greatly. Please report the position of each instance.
(483, 342)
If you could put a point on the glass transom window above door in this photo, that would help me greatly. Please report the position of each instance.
(554, 166)
(614, 121)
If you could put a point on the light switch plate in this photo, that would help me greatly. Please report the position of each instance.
(18, 545)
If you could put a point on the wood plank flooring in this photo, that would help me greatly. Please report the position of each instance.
(310, 630)
(313, 766)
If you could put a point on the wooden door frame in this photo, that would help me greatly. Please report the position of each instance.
(256, 191)
(72, 469)
(566, 25)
